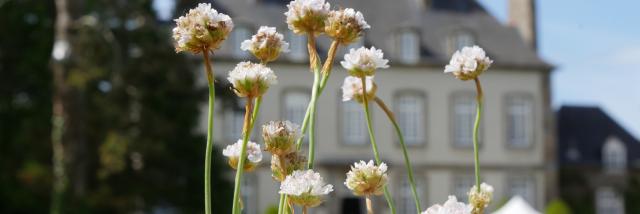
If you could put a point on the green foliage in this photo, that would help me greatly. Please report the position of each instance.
(273, 209)
(557, 207)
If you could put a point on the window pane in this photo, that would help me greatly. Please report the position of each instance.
(519, 118)
(461, 40)
(409, 47)
(354, 127)
(298, 47)
(461, 186)
(524, 187)
(407, 204)
(295, 107)
(464, 109)
(410, 110)
(238, 35)
(234, 120)
(608, 201)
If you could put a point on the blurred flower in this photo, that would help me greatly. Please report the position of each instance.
(289, 163)
(367, 178)
(279, 136)
(307, 16)
(251, 79)
(254, 155)
(468, 63)
(480, 200)
(352, 89)
(305, 188)
(202, 29)
(345, 26)
(364, 62)
(451, 206)
(266, 45)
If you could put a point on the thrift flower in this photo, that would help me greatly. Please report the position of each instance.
(451, 206)
(289, 163)
(345, 26)
(305, 188)
(280, 136)
(202, 29)
(367, 178)
(364, 62)
(251, 79)
(352, 89)
(266, 45)
(468, 63)
(307, 16)
(480, 200)
(254, 155)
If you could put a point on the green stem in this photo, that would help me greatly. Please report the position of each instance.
(281, 204)
(407, 161)
(312, 114)
(372, 139)
(256, 111)
(243, 153)
(476, 126)
(209, 149)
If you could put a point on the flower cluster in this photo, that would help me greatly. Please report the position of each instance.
(468, 63)
(364, 62)
(266, 45)
(480, 200)
(202, 29)
(345, 26)
(307, 16)
(352, 89)
(451, 206)
(305, 188)
(367, 178)
(251, 79)
(280, 136)
(283, 165)
(254, 155)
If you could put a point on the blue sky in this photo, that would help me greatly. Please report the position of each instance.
(595, 46)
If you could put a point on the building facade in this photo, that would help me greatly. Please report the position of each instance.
(435, 111)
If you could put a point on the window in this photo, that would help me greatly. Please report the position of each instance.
(519, 121)
(460, 40)
(298, 47)
(524, 187)
(461, 186)
(248, 193)
(233, 122)
(354, 127)
(410, 111)
(407, 204)
(464, 116)
(238, 35)
(295, 106)
(614, 156)
(408, 47)
(608, 201)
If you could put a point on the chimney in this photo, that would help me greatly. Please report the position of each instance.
(522, 16)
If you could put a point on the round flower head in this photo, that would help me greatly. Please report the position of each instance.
(202, 29)
(468, 63)
(352, 89)
(367, 178)
(251, 79)
(266, 45)
(480, 200)
(307, 16)
(345, 26)
(451, 206)
(289, 163)
(364, 62)
(305, 188)
(279, 136)
(254, 155)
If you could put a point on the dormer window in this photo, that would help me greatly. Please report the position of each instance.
(408, 46)
(298, 47)
(614, 156)
(238, 35)
(461, 39)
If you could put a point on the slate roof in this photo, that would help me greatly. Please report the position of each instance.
(585, 130)
(435, 24)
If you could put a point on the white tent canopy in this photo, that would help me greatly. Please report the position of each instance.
(516, 205)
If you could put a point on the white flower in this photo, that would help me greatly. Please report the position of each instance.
(253, 152)
(364, 62)
(307, 16)
(251, 79)
(367, 178)
(352, 89)
(279, 136)
(305, 188)
(266, 45)
(480, 200)
(451, 206)
(346, 25)
(468, 63)
(201, 29)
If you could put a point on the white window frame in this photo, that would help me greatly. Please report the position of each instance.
(463, 116)
(461, 185)
(608, 201)
(352, 117)
(461, 39)
(406, 204)
(295, 112)
(408, 45)
(524, 186)
(297, 46)
(519, 110)
(411, 119)
(238, 35)
(614, 156)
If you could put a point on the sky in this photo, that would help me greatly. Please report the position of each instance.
(595, 46)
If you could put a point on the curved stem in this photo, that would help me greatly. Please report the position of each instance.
(209, 146)
(407, 161)
(246, 130)
(312, 118)
(372, 139)
(476, 126)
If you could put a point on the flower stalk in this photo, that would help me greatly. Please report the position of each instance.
(246, 131)
(476, 126)
(209, 146)
(369, 205)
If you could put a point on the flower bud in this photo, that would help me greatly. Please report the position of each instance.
(202, 29)
(480, 200)
(251, 79)
(352, 89)
(364, 62)
(307, 16)
(254, 155)
(280, 136)
(367, 178)
(345, 26)
(266, 45)
(289, 163)
(468, 63)
(305, 188)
